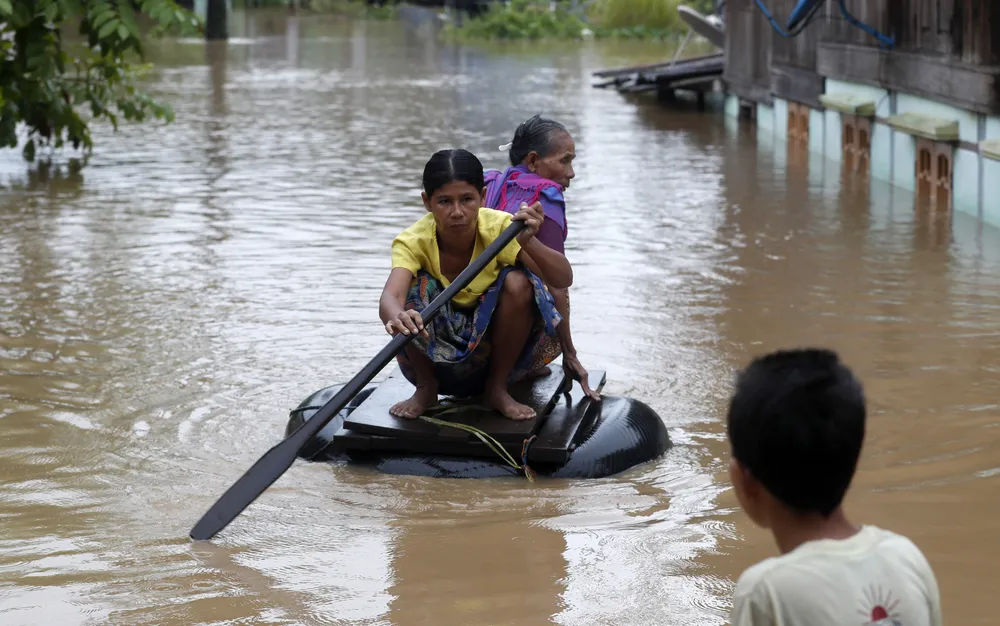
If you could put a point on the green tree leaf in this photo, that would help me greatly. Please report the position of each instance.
(109, 27)
(51, 12)
(128, 19)
(70, 7)
(47, 88)
(102, 17)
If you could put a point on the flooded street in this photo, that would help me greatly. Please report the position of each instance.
(164, 309)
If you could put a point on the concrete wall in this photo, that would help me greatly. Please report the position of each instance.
(765, 117)
(817, 132)
(991, 176)
(780, 121)
(732, 106)
(976, 178)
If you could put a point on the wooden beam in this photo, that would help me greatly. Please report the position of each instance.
(700, 83)
(686, 69)
(972, 87)
(637, 88)
(797, 84)
(372, 416)
(652, 67)
(754, 93)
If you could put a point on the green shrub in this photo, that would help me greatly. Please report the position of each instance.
(536, 19)
(521, 19)
(355, 8)
(649, 16)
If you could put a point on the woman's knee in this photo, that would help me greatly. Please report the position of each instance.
(517, 288)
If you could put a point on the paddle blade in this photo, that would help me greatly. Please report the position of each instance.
(278, 459)
(254, 481)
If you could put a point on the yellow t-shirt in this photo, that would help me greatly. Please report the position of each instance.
(416, 248)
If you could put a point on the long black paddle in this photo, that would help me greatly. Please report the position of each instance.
(275, 461)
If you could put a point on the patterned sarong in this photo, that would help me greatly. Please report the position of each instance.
(459, 345)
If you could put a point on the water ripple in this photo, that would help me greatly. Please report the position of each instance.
(161, 311)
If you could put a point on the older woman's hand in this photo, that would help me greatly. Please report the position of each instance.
(533, 216)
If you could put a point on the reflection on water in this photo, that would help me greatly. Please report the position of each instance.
(162, 310)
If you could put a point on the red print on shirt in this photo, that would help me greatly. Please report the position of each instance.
(879, 608)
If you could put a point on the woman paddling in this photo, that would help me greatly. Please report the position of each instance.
(489, 334)
(541, 158)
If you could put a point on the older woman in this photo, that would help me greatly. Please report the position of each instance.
(541, 157)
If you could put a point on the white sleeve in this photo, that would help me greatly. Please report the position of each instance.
(751, 607)
(741, 614)
(918, 560)
(933, 596)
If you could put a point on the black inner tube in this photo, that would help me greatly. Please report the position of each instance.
(624, 433)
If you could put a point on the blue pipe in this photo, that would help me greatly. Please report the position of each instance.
(805, 10)
(887, 42)
(803, 21)
(801, 12)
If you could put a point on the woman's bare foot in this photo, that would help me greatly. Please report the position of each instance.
(539, 373)
(500, 400)
(422, 399)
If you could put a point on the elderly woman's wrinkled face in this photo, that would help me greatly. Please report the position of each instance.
(558, 164)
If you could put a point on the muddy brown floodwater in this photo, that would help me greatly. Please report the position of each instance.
(161, 312)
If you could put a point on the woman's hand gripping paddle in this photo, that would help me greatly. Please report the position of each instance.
(275, 461)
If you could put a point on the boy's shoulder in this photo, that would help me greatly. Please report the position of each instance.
(820, 559)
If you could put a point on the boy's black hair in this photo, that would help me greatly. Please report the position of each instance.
(797, 422)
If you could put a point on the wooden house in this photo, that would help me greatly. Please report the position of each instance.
(923, 113)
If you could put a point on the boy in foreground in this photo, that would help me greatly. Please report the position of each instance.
(796, 424)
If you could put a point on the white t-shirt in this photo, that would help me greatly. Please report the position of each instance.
(875, 578)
